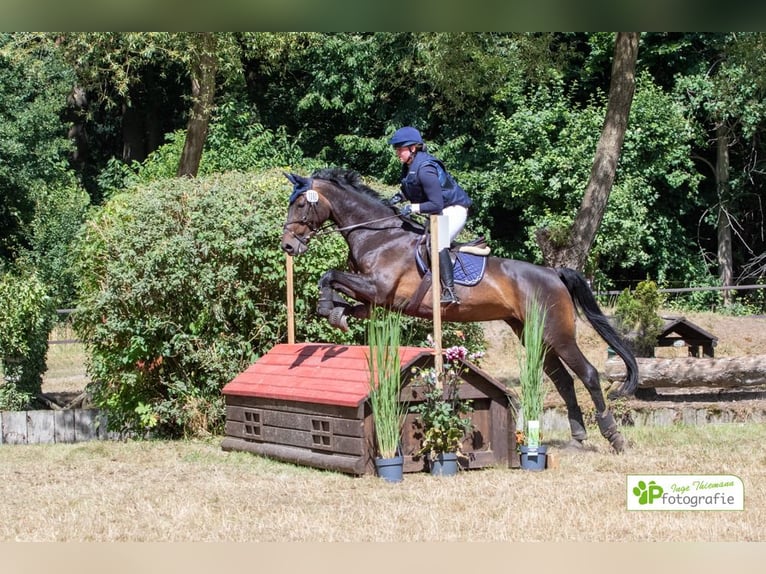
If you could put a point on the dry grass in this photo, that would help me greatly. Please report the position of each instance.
(194, 491)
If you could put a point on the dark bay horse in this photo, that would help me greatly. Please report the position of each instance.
(383, 272)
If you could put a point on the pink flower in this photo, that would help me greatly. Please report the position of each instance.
(456, 352)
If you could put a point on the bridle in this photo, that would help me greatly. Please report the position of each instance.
(312, 199)
(315, 230)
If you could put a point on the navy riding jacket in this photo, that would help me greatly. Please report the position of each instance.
(427, 182)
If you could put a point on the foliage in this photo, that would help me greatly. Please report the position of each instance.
(383, 335)
(531, 360)
(443, 414)
(59, 214)
(26, 318)
(529, 111)
(33, 139)
(181, 287)
(235, 142)
(637, 318)
(725, 96)
(12, 399)
(544, 148)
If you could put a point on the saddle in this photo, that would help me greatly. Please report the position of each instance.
(469, 260)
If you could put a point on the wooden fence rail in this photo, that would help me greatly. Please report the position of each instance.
(53, 426)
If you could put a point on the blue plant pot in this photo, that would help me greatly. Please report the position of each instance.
(390, 469)
(444, 464)
(533, 459)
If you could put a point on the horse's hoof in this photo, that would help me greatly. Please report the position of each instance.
(324, 310)
(574, 444)
(618, 442)
(338, 319)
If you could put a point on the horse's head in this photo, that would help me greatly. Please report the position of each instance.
(307, 212)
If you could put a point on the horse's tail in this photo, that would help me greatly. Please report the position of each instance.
(584, 299)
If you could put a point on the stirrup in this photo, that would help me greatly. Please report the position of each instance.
(449, 297)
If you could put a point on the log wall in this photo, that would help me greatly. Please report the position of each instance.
(728, 372)
(49, 426)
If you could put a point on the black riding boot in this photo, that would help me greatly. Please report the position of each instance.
(446, 278)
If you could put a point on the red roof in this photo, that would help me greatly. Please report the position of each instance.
(313, 373)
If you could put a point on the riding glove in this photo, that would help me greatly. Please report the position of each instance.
(396, 198)
(406, 210)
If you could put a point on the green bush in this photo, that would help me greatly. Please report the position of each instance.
(27, 315)
(637, 318)
(59, 213)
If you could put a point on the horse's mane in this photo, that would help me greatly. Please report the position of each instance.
(350, 180)
(347, 179)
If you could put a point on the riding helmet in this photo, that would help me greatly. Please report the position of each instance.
(405, 136)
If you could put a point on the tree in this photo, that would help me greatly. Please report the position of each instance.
(727, 96)
(26, 317)
(122, 71)
(204, 65)
(33, 142)
(574, 251)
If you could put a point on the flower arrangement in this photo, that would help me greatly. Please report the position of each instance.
(444, 416)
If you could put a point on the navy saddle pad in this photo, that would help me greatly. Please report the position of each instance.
(468, 269)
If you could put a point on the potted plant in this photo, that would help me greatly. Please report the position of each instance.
(388, 412)
(444, 416)
(532, 387)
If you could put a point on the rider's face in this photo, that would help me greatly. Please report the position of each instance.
(404, 153)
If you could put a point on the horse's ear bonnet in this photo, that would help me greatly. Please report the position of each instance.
(300, 185)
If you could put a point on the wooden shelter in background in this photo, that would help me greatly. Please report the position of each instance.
(700, 369)
(308, 404)
(679, 331)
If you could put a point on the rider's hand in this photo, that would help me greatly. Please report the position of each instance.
(396, 198)
(406, 210)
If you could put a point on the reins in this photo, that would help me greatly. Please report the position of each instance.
(327, 227)
(349, 227)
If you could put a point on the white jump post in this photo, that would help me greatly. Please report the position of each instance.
(439, 229)
(290, 301)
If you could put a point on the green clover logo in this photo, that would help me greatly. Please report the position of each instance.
(647, 493)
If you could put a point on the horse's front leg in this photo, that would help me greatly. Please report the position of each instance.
(353, 285)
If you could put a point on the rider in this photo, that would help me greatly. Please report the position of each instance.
(431, 189)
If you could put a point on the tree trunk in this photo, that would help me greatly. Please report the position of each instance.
(132, 134)
(726, 372)
(588, 219)
(203, 71)
(725, 263)
(77, 109)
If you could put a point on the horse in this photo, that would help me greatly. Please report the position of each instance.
(383, 272)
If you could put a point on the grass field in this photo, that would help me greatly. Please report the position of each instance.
(194, 491)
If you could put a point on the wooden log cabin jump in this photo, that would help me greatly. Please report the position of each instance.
(308, 404)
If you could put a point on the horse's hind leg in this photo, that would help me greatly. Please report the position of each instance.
(589, 376)
(565, 386)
